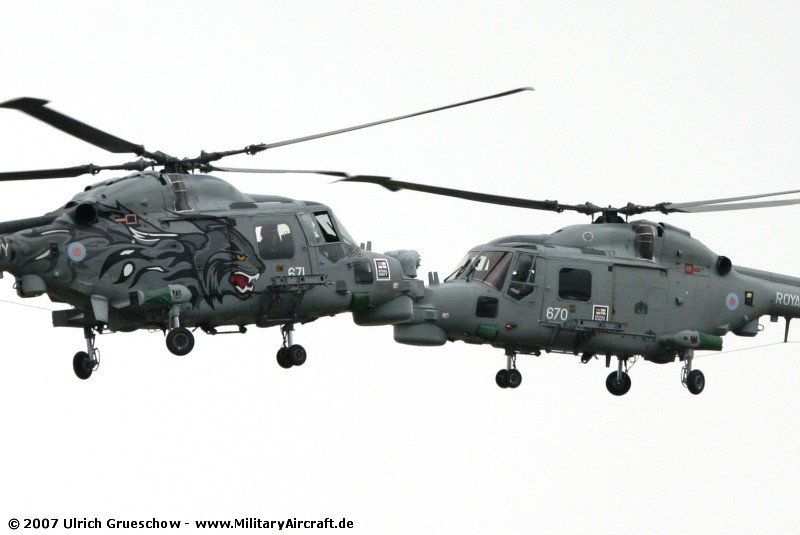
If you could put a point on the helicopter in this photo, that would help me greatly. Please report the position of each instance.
(618, 288)
(171, 247)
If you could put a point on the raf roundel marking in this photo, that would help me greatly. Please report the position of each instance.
(76, 251)
(732, 301)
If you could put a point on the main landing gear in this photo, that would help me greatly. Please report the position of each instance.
(619, 382)
(180, 341)
(290, 354)
(510, 377)
(86, 362)
(694, 380)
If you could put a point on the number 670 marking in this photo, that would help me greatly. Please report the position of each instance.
(556, 313)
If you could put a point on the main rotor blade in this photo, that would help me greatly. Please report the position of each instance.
(274, 171)
(68, 172)
(396, 185)
(64, 172)
(679, 206)
(729, 207)
(265, 146)
(37, 108)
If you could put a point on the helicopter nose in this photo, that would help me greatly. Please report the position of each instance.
(424, 328)
(420, 334)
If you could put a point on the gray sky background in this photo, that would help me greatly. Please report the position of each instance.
(640, 102)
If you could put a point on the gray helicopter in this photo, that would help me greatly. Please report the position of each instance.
(178, 249)
(615, 288)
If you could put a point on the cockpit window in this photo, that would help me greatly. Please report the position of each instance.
(644, 242)
(523, 277)
(326, 227)
(322, 234)
(490, 267)
(347, 240)
(462, 266)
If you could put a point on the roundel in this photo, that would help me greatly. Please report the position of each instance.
(732, 301)
(76, 251)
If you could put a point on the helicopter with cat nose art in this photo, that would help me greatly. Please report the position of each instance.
(171, 247)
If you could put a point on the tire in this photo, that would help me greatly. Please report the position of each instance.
(82, 365)
(297, 355)
(180, 341)
(514, 378)
(695, 381)
(618, 388)
(283, 358)
(502, 378)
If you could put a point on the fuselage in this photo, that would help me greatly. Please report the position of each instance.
(639, 288)
(127, 253)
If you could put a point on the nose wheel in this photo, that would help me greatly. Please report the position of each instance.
(510, 377)
(619, 382)
(290, 354)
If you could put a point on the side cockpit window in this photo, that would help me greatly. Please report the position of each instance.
(523, 277)
(322, 235)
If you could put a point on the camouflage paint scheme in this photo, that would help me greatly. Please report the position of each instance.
(141, 243)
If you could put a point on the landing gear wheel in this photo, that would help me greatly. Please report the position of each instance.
(514, 378)
(82, 365)
(283, 358)
(695, 382)
(297, 355)
(618, 387)
(180, 341)
(502, 378)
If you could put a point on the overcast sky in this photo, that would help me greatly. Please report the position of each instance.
(640, 102)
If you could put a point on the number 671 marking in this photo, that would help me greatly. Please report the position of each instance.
(297, 271)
